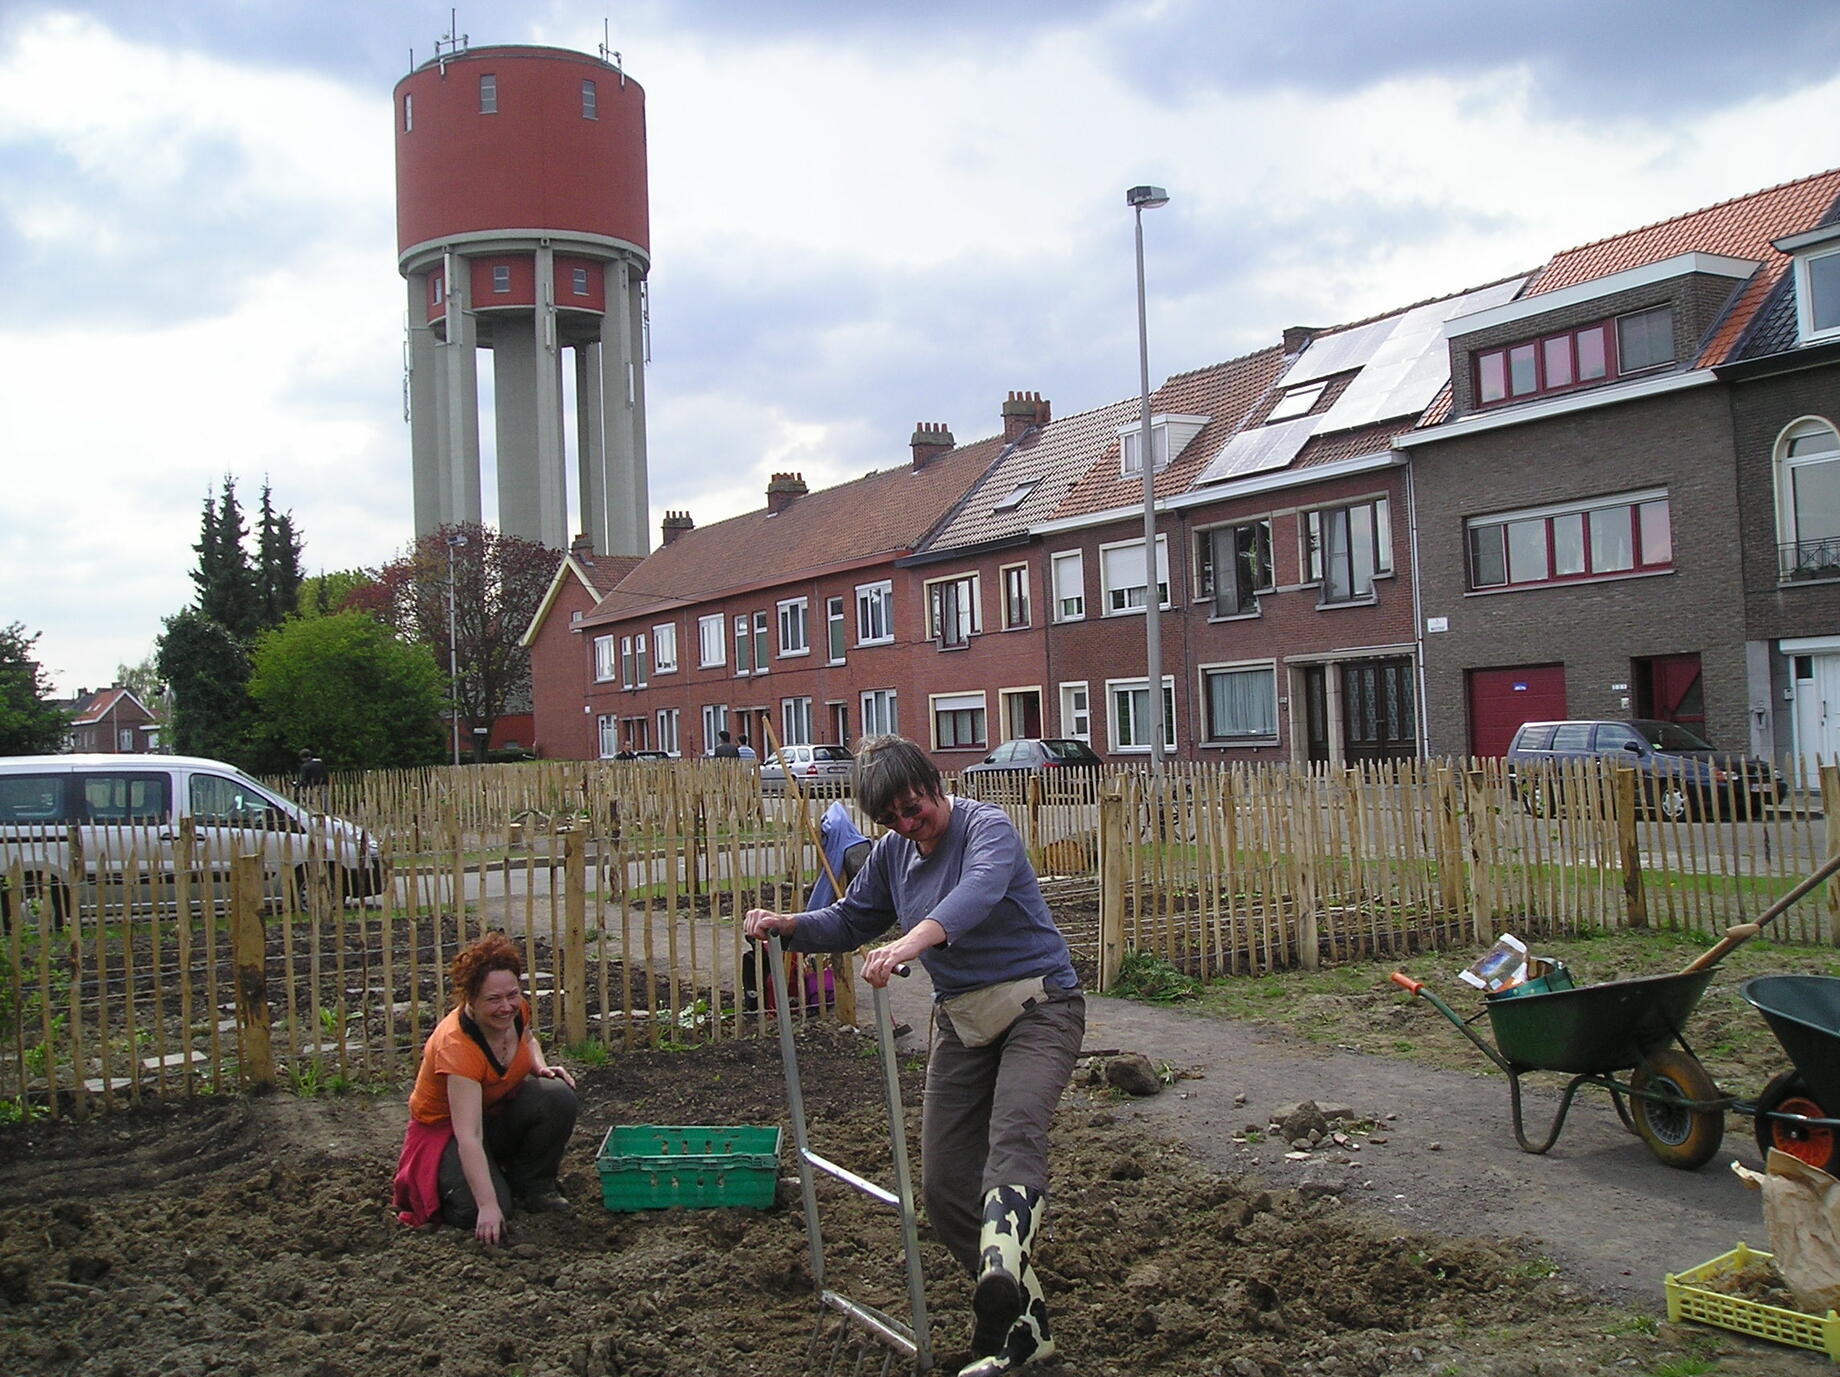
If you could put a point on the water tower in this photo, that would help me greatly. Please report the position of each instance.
(522, 228)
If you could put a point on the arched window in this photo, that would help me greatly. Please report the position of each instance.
(1808, 500)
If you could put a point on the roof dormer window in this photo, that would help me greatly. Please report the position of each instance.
(1169, 436)
(1817, 294)
(1016, 495)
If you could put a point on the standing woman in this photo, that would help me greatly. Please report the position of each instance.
(489, 1117)
(1010, 1017)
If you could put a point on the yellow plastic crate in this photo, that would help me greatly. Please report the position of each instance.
(1688, 1301)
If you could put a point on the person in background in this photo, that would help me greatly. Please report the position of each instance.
(725, 747)
(953, 876)
(745, 751)
(489, 1117)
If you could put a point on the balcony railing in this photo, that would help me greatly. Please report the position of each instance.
(1809, 559)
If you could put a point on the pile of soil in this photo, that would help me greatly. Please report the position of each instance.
(254, 1237)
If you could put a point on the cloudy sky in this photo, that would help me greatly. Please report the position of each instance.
(863, 214)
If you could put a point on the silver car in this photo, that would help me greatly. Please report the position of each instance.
(816, 771)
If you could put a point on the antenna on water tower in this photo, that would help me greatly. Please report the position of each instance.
(609, 56)
(447, 44)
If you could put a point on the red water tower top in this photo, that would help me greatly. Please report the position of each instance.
(519, 141)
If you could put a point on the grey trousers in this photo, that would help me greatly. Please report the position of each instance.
(984, 1119)
(525, 1140)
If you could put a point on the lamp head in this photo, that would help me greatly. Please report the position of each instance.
(1146, 197)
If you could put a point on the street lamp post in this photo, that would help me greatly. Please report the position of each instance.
(1140, 199)
(455, 539)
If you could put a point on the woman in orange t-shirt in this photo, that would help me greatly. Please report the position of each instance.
(489, 1118)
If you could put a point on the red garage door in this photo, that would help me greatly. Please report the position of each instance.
(1501, 699)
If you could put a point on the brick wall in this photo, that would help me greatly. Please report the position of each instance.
(1682, 442)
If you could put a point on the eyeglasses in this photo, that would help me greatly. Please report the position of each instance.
(907, 812)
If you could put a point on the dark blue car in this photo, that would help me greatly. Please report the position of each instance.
(1680, 774)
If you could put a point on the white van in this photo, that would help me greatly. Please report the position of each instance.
(122, 813)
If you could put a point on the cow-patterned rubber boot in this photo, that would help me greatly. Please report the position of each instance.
(1011, 1216)
(1029, 1339)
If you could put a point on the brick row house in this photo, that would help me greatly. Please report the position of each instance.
(112, 721)
(1396, 537)
(1608, 499)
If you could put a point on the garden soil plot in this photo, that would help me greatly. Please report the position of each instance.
(253, 1237)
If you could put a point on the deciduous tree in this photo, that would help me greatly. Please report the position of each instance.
(207, 671)
(347, 689)
(498, 581)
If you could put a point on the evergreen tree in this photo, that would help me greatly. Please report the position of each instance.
(277, 574)
(207, 672)
(29, 723)
(226, 585)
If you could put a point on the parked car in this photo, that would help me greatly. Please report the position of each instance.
(1015, 760)
(75, 820)
(1679, 772)
(818, 771)
(653, 755)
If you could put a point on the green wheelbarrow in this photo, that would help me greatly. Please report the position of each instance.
(1592, 1033)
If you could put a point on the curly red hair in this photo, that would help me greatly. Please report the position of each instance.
(471, 965)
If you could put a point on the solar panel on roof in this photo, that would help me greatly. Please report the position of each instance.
(1259, 450)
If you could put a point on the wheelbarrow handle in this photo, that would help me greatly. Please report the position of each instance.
(1406, 982)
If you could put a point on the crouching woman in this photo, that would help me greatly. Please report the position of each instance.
(1009, 1019)
(489, 1118)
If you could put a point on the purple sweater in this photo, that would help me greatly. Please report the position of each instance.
(977, 885)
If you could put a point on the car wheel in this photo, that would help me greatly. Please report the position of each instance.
(1673, 803)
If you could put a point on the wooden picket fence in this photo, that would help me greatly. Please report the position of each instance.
(624, 883)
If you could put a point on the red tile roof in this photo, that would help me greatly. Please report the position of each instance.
(1224, 392)
(1739, 228)
(882, 514)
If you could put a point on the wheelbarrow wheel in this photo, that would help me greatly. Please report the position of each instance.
(1816, 1145)
(1676, 1134)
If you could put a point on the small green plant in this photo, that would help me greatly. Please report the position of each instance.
(1634, 1322)
(588, 1052)
(1684, 1367)
(1166, 1072)
(329, 1022)
(1535, 1268)
(307, 1079)
(1143, 975)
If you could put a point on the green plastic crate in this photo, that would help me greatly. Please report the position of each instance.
(1686, 1300)
(680, 1166)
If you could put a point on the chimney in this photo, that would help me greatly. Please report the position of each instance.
(1296, 336)
(784, 490)
(930, 440)
(1022, 411)
(582, 547)
(674, 525)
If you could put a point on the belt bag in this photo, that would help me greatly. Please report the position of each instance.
(980, 1017)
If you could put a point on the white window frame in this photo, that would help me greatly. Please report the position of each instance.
(715, 722)
(501, 278)
(1117, 689)
(603, 659)
(664, 648)
(1107, 592)
(760, 642)
(590, 101)
(1018, 575)
(744, 654)
(408, 112)
(718, 623)
(880, 712)
(607, 735)
(794, 627)
(956, 703)
(968, 618)
(835, 642)
(639, 660)
(875, 613)
(1269, 668)
(795, 721)
(1788, 525)
(1805, 323)
(1076, 710)
(488, 93)
(626, 662)
(1129, 441)
(667, 731)
(578, 281)
(1060, 579)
